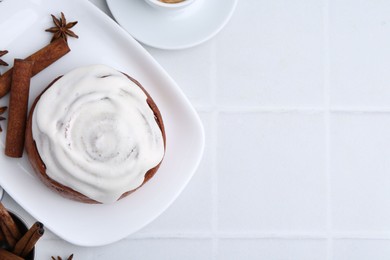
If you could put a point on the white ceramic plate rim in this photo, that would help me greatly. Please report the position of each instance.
(10, 183)
(120, 19)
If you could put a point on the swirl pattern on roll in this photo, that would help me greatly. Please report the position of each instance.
(96, 133)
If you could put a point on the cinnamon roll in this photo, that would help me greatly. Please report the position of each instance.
(95, 135)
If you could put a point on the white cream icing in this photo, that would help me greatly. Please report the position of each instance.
(96, 133)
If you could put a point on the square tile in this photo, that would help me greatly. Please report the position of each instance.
(283, 249)
(192, 69)
(192, 211)
(361, 249)
(359, 40)
(148, 249)
(271, 54)
(360, 166)
(271, 170)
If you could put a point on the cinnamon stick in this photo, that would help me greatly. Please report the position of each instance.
(29, 243)
(22, 243)
(18, 106)
(5, 255)
(8, 227)
(42, 59)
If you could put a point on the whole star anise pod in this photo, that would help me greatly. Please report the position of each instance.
(59, 258)
(3, 63)
(2, 110)
(61, 29)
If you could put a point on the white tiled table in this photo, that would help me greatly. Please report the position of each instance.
(295, 99)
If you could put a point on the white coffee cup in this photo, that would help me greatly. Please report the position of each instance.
(170, 6)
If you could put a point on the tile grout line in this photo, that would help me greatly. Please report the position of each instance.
(297, 110)
(213, 144)
(327, 90)
(213, 74)
(287, 235)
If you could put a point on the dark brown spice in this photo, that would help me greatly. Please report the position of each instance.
(61, 28)
(3, 63)
(18, 107)
(59, 258)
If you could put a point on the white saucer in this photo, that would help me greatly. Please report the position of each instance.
(171, 30)
(1, 189)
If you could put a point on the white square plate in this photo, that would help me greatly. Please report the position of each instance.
(102, 41)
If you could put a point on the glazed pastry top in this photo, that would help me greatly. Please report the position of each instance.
(96, 133)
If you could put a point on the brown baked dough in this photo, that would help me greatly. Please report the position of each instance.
(39, 165)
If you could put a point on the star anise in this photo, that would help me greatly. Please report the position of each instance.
(59, 258)
(3, 63)
(61, 29)
(2, 110)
